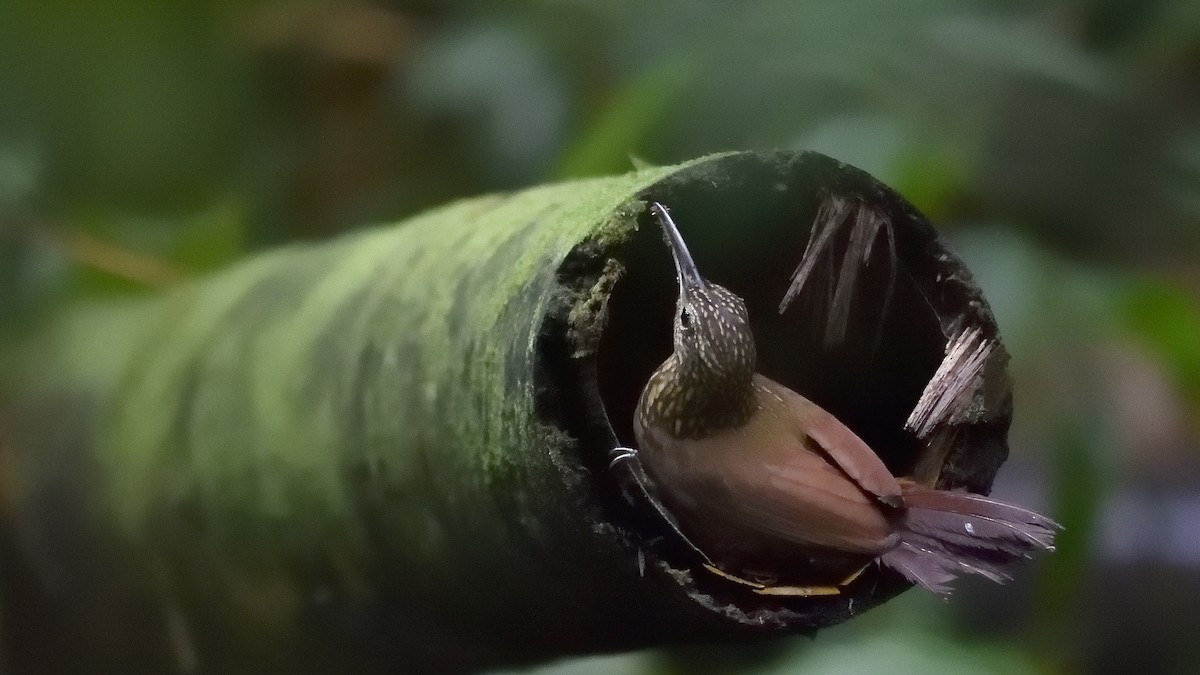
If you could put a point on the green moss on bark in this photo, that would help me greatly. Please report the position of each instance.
(374, 453)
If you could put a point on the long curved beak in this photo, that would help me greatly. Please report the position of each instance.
(685, 267)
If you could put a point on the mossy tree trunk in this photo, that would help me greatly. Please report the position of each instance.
(387, 452)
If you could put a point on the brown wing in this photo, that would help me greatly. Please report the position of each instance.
(843, 447)
(808, 500)
(761, 483)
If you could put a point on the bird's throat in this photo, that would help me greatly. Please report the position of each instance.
(688, 400)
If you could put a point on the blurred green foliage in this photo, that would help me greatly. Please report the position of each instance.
(142, 142)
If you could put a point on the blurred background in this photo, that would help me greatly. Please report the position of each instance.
(1057, 143)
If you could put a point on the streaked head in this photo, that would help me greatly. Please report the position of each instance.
(712, 326)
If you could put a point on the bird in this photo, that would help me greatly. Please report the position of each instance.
(760, 477)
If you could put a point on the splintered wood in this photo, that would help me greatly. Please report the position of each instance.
(949, 394)
(950, 391)
(865, 225)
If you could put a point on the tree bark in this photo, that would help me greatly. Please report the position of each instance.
(388, 452)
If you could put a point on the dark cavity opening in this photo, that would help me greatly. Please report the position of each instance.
(749, 234)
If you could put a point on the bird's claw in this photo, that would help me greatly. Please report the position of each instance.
(620, 454)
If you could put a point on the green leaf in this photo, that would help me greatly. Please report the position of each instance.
(625, 125)
(1165, 320)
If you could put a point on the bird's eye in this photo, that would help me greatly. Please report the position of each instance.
(685, 318)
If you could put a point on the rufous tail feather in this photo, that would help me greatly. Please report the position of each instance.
(944, 534)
